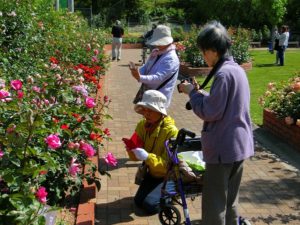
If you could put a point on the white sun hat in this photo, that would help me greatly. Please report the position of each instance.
(161, 36)
(154, 100)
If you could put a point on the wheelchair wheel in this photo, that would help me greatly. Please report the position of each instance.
(169, 215)
(244, 221)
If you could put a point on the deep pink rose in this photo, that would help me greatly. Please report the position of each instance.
(74, 167)
(1, 153)
(90, 102)
(110, 159)
(16, 84)
(20, 94)
(41, 194)
(53, 141)
(88, 149)
(105, 98)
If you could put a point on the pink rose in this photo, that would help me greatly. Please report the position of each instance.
(41, 194)
(53, 141)
(88, 149)
(110, 159)
(36, 89)
(94, 59)
(4, 94)
(96, 51)
(289, 120)
(1, 153)
(90, 102)
(74, 167)
(16, 84)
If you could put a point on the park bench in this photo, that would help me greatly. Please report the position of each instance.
(294, 44)
(256, 44)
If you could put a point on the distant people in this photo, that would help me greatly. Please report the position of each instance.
(283, 43)
(160, 71)
(148, 36)
(117, 31)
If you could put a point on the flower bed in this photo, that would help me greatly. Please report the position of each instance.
(281, 103)
(50, 118)
(278, 127)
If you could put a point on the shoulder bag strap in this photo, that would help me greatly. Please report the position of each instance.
(166, 81)
(213, 71)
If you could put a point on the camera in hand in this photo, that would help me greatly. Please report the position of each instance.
(189, 80)
(188, 105)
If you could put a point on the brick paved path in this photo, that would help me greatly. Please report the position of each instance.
(270, 192)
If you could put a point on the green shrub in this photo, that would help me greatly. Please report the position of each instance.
(239, 48)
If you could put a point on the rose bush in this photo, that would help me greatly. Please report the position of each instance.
(284, 99)
(50, 115)
(239, 48)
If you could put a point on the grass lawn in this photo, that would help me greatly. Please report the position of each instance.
(263, 72)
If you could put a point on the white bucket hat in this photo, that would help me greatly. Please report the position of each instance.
(161, 36)
(154, 100)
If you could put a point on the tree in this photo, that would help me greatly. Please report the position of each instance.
(292, 17)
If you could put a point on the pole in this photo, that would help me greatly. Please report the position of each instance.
(71, 5)
(57, 5)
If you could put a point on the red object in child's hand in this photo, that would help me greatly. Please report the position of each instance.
(134, 142)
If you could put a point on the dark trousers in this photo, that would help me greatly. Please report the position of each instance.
(281, 55)
(149, 192)
(220, 193)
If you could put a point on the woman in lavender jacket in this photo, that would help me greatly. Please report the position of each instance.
(227, 138)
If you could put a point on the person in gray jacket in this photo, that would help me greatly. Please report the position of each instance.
(227, 138)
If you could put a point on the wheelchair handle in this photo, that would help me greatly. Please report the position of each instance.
(182, 134)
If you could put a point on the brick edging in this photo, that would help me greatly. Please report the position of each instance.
(278, 127)
(87, 204)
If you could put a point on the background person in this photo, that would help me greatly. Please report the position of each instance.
(148, 36)
(117, 32)
(162, 64)
(283, 43)
(226, 135)
(276, 44)
(154, 129)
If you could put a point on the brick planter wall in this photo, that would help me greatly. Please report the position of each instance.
(187, 70)
(278, 127)
(87, 204)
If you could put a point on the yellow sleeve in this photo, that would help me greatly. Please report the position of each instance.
(157, 163)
